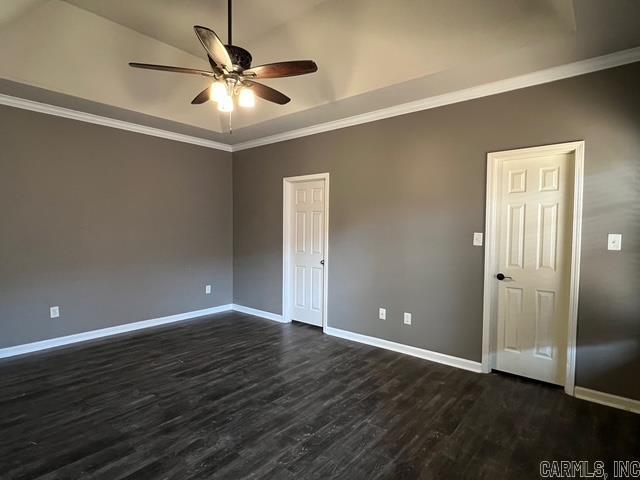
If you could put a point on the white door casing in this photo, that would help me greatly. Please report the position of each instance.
(534, 199)
(304, 249)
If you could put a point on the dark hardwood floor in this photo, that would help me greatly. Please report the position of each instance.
(234, 396)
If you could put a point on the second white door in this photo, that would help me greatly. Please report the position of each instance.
(307, 251)
(534, 243)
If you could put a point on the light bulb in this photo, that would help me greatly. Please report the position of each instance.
(226, 104)
(247, 98)
(218, 91)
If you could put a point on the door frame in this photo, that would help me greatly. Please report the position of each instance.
(489, 317)
(287, 189)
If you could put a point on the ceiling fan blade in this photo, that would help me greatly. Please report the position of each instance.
(216, 69)
(166, 68)
(267, 93)
(202, 97)
(282, 69)
(214, 47)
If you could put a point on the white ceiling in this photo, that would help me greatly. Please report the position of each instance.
(170, 21)
(371, 53)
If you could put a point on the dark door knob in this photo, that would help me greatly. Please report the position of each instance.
(321, 262)
(502, 276)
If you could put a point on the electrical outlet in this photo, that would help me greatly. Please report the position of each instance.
(207, 289)
(477, 239)
(407, 318)
(614, 241)
(382, 313)
(54, 312)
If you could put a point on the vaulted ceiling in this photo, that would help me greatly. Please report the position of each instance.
(371, 54)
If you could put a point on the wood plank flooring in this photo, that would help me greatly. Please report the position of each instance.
(233, 397)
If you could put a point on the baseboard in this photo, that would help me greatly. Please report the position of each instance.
(259, 313)
(607, 399)
(582, 393)
(407, 349)
(107, 332)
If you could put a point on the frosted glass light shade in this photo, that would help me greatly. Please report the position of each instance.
(226, 104)
(218, 91)
(247, 98)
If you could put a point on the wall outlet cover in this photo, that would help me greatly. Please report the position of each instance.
(477, 239)
(207, 289)
(54, 312)
(407, 318)
(382, 313)
(614, 241)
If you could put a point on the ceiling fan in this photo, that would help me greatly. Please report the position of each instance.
(231, 72)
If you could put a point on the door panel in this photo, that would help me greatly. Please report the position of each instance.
(513, 317)
(299, 286)
(515, 236)
(301, 232)
(306, 262)
(534, 253)
(317, 232)
(545, 317)
(316, 288)
(547, 235)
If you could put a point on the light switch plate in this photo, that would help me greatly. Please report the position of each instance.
(614, 241)
(407, 318)
(54, 312)
(382, 313)
(477, 239)
(207, 289)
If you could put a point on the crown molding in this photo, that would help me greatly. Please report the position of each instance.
(547, 75)
(109, 122)
(552, 74)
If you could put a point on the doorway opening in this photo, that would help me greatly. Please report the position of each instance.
(532, 262)
(305, 249)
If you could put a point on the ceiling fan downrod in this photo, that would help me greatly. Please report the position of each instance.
(229, 18)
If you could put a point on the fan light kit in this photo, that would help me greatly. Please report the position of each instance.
(232, 75)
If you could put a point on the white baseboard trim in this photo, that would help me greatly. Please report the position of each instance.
(259, 313)
(407, 349)
(607, 399)
(107, 332)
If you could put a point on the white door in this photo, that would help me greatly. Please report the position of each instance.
(307, 246)
(534, 230)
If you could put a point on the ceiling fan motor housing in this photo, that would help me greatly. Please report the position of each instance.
(239, 56)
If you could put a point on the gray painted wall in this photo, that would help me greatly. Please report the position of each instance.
(113, 226)
(407, 193)
(117, 227)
